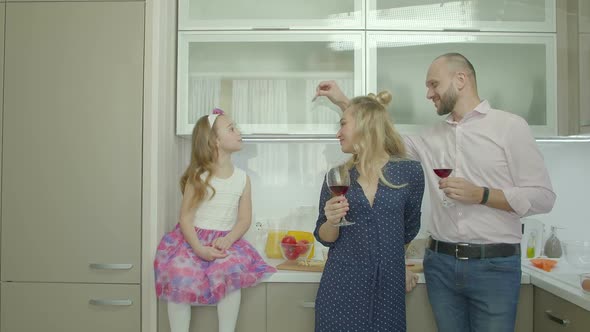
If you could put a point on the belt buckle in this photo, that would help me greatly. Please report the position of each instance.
(457, 251)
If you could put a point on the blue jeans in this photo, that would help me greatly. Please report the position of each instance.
(472, 295)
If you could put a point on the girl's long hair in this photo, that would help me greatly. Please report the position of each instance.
(374, 133)
(203, 159)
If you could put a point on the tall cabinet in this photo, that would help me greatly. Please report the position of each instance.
(71, 163)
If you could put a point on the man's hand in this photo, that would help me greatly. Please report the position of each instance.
(331, 90)
(411, 280)
(461, 190)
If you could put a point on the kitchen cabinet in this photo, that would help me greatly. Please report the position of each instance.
(70, 307)
(519, 78)
(553, 314)
(72, 142)
(419, 316)
(270, 14)
(266, 80)
(584, 16)
(267, 77)
(252, 315)
(290, 306)
(472, 15)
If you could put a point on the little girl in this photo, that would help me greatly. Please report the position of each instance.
(204, 260)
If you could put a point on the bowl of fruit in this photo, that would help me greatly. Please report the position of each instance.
(293, 250)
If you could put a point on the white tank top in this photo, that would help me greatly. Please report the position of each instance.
(221, 212)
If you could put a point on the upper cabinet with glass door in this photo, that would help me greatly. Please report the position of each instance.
(266, 80)
(270, 14)
(453, 15)
(515, 73)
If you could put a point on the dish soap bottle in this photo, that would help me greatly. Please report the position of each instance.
(553, 245)
(530, 247)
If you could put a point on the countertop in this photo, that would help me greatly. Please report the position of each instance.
(563, 281)
(311, 277)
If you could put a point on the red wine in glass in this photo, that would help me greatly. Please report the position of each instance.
(339, 190)
(443, 172)
(338, 180)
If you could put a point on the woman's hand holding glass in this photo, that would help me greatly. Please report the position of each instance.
(335, 209)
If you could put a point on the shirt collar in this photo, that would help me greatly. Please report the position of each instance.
(482, 108)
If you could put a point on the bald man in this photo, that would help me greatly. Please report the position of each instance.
(472, 265)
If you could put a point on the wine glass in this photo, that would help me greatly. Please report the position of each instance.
(338, 181)
(442, 168)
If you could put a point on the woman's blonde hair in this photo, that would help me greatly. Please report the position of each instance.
(374, 133)
(203, 158)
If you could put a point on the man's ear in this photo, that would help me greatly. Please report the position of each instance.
(460, 80)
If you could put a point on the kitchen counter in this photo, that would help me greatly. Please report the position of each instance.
(563, 281)
(311, 277)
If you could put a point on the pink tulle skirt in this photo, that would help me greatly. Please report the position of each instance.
(183, 277)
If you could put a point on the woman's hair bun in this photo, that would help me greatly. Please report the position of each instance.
(383, 97)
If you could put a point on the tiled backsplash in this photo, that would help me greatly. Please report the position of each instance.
(288, 175)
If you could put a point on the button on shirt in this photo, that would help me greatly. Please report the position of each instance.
(490, 148)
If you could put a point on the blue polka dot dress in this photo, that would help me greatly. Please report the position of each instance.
(363, 284)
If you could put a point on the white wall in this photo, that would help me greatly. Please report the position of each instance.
(287, 175)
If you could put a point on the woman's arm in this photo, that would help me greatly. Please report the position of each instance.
(413, 206)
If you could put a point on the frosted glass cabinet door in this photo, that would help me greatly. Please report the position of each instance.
(248, 14)
(266, 81)
(515, 73)
(477, 15)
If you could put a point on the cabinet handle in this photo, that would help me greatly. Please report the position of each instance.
(270, 28)
(308, 304)
(460, 30)
(111, 266)
(117, 303)
(560, 321)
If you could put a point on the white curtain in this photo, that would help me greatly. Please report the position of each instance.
(203, 96)
(259, 101)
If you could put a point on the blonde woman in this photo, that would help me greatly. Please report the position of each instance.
(363, 284)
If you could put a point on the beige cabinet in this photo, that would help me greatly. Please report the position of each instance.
(70, 307)
(419, 316)
(584, 49)
(252, 317)
(290, 306)
(72, 142)
(553, 314)
(524, 314)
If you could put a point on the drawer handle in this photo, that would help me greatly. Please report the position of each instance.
(308, 304)
(111, 266)
(117, 303)
(560, 321)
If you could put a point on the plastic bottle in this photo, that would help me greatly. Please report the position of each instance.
(530, 247)
(553, 245)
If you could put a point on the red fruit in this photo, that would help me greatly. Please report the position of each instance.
(291, 252)
(301, 246)
(288, 239)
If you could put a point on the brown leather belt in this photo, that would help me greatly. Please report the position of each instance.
(475, 251)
